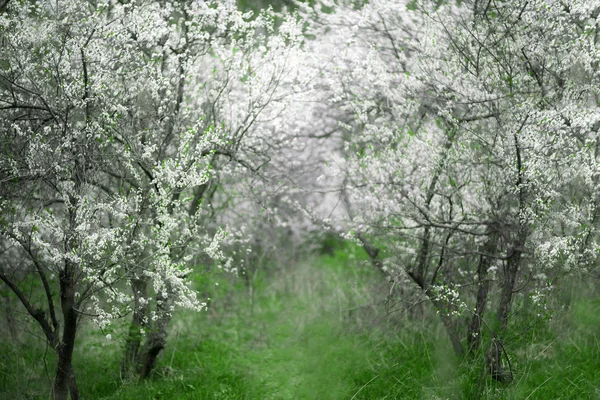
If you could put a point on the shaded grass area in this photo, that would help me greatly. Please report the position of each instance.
(320, 330)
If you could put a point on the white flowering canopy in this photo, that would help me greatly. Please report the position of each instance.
(116, 118)
(457, 121)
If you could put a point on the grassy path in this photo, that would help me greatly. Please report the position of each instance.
(319, 332)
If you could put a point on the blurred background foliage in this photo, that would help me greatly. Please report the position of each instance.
(257, 5)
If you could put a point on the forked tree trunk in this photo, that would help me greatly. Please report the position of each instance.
(511, 270)
(156, 339)
(140, 355)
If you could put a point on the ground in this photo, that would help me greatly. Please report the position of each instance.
(321, 329)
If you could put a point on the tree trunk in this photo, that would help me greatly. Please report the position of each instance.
(65, 382)
(483, 287)
(510, 277)
(511, 270)
(141, 358)
(440, 307)
(513, 263)
(155, 342)
(418, 276)
(156, 339)
(138, 321)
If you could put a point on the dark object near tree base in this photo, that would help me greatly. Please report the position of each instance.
(494, 362)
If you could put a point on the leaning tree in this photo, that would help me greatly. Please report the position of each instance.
(468, 145)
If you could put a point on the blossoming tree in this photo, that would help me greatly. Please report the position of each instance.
(117, 120)
(469, 136)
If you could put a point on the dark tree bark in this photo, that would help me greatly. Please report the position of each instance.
(496, 349)
(64, 382)
(419, 271)
(513, 264)
(483, 287)
(3, 5)
(494, 359)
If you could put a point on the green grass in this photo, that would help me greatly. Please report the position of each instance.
(319, 330)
